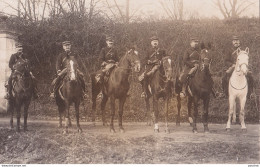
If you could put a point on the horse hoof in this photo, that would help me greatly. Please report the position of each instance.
(178, 124)
(105, 124)
(244, 130)
(25, 129)
(195, 131)
(167, 131)
(79, 130)
(156, 130)
(59, 126)
(206, 131)
(112, 130)
(122, 130)
(228, 129)
(148, 124)
(65, 132)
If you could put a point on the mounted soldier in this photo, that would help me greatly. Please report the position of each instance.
(62, 71)
(190, 60)
(13, 59)
(109, 58)
(230, 62)
(153, 62)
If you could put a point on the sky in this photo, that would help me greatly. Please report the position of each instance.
(153, 8)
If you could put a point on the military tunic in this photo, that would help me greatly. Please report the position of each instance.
(108, 54)
(14, 58)
(230, 57)
(190, 59)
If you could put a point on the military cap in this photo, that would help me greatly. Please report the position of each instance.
(109, 38)
(18, 45)
(194, 39)
(154, 38)
(235, 37)
(66, 43)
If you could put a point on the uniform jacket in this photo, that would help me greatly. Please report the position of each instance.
(107, 54)
(230, 56)
(60, 63)
(154, 55)
(14, 58)
(191, 57)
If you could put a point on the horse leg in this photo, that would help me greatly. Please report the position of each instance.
(120, 113)
(67, 118)
(166, 115)
(112, 114)
(18, 112)
(232, 107)
(77, 103)
(61, 110)
(26, 107)
(195, 114)
(156, 114)
(178, 120)
(189, 110)
(205, 114)
(94, 97)
(242, 113)
(103, 105)
(234, 116)
(148, 111)
(10, 108)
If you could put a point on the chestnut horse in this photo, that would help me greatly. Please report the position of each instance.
(22, 92)
(116, 87)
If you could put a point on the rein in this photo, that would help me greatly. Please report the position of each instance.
(237, 88)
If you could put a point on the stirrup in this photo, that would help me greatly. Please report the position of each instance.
(182, 94)
(100, 95)
(143, 95)
(52, 95)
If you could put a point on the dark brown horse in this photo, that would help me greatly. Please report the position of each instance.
(199, 87)
(22, 92)
(69, 92)
(161, 86)
(116, 87)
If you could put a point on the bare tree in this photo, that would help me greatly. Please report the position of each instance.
(233, 8)
(173, 8)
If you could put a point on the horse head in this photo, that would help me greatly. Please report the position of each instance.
(205, 57)
(167, 67)
(242, 61)
(132, 59)
(72, 67)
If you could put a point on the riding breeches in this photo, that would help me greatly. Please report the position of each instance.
(187, 71)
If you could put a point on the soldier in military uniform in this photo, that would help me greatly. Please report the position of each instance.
(61, 69)
(12, 61)
(230, 62)
(153, 62)
(190, 59)
(109, 58)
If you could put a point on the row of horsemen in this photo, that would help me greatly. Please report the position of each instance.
(109, 58)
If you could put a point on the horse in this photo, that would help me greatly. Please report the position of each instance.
(238, 88)
(199, 87)
(116, 87)
(69, 92)
(21, 93)
(160, 87)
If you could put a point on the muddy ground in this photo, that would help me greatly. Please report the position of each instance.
(45, 143)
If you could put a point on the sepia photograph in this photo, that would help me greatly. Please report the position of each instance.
(129, 82)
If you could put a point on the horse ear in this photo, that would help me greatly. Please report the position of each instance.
(247, 50)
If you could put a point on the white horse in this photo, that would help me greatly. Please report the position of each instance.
(238, 88)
